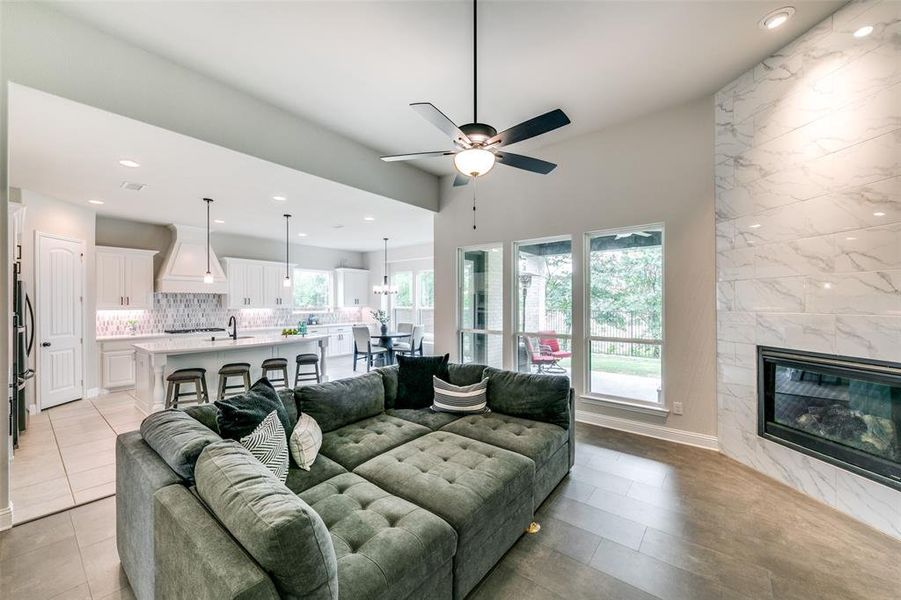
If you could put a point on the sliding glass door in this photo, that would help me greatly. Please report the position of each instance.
(481, 305)
(543, 320)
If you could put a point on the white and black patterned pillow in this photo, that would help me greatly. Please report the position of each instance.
(460, 399)
(267, 443)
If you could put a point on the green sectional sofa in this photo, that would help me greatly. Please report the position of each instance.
(400, 503)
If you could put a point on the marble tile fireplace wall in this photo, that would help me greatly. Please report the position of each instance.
(808, 222)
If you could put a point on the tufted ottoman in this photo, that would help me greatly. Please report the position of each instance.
(356, 443)
(386, 547)
(546, 444)
(483, 491)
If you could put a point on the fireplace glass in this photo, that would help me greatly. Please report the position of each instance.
(843, 410)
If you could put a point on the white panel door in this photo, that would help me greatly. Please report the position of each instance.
(110, 280)
(138, 281)
(60, 319)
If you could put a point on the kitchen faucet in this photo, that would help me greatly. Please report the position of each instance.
(233, 323)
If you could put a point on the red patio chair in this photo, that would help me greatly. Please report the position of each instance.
(542, 358)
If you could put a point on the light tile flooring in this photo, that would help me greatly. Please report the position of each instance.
(636, 519)
(66, 457)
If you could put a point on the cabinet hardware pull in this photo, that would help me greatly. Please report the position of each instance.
(121, 301)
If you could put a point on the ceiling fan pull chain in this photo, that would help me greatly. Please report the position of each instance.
(473, 204)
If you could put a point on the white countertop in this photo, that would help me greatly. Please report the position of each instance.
(249, 330)
(195, 345)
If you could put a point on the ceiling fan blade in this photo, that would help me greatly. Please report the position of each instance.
(526, 163)
(460, 180)
(415, 155)
(437, 118)
(531, 128)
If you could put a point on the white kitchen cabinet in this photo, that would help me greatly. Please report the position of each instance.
(257, 284)
(118, 369)
(352, 287)
(124, 278)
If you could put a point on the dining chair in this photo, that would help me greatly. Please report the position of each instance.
(363, 347)
(414, 344)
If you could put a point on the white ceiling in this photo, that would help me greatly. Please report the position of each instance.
(355, 66)
(71, 151)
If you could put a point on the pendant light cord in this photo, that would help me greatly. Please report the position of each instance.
(385, 275)
(287, 243)
(208, 202)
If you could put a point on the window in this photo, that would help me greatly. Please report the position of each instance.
(544, 306)
(624, 302)
(312, 289)
(481, 305)
(402, 302)
(425, 302)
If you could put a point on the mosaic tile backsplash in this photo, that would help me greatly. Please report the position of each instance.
(187, 311)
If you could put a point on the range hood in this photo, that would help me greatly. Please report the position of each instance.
(185, 264)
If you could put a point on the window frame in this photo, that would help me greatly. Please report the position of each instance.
(330, 293)
(458, 297)
(588, 338)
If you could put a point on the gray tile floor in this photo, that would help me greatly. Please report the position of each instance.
(636, 519)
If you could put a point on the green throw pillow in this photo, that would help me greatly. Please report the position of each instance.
(414, 379)
(240, 415)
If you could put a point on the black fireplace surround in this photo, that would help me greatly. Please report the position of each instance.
(839, 409)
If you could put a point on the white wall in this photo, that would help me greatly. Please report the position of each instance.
(49, 51)
(49, 215)
(808, 149)
(654, 169)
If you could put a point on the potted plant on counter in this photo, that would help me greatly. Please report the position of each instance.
(382, 317)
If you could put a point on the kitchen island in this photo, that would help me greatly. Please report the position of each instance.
(155, 360)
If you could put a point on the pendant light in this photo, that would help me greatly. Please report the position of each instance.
(287, 280)
(384, 288)
(208, 276)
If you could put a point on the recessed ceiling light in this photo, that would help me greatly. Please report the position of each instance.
(776, 18)
(827, 285)
(301, 235)
(878, 213)
(863, 31)
(369, 218)
(279, 198)
(754, 226)
(126, 162)
(220, 221)
(850, 238)
(95, 201)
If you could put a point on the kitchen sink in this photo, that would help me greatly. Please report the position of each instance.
(228, 337)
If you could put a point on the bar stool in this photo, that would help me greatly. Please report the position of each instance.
(307, 358)
(241, 370)
(276, 364)
(180, 377)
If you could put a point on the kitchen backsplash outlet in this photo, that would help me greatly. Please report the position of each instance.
(189, 311)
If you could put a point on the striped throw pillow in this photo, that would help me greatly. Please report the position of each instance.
(461, 399)
(268, 444)
(306, 439)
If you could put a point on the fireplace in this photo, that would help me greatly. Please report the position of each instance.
(843, 410)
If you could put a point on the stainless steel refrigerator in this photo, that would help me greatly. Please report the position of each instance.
(23, 331)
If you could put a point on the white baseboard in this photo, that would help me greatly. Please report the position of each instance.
(6, 517)
(93, 392)
(689, 438)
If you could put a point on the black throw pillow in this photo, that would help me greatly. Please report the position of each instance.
(414, 379)
(239, 415)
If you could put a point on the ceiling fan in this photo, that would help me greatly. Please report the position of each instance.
(476, 143)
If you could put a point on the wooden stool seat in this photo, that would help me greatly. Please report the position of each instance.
(276, 364)
(227, 370)
(180, 377)
(307, 358)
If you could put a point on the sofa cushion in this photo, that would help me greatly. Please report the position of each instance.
(389, 380)
(177, 438)
(424, 416)
(356, 443)
(542, 398)
(414, 379)
(278, 529)
(240, 415)
(534, 439)
(205, 414)
(339, 403)
(289, 401)
(386, 546)
(267, 444)
(465, 374)
(323, 468)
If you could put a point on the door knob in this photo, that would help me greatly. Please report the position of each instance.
(45, 344)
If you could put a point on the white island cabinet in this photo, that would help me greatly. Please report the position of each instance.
(155, 360)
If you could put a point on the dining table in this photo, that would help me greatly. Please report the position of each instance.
(386, 340)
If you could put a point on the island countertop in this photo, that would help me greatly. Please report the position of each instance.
(222, 343)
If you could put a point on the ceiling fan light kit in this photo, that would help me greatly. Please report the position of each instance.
(476, 144)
